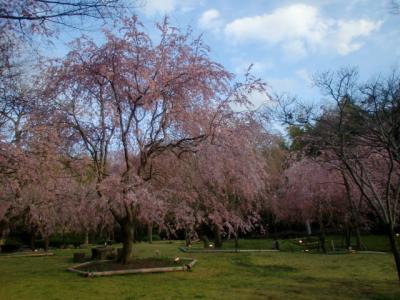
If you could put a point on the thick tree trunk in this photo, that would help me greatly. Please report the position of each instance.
(187, 237)
(236, 243)
(108, 238)
(86, 238)
(357, 231)
(217, 237)
(206, 241)
(322, 237)
(347, 235)
(63, 237)
(32, 240)
(321, 229)
(46, 243)
(112, 234)
(395, 248)
(358, 238)
(3, 234)
(150, 232)
(308, 227)
(127, 230)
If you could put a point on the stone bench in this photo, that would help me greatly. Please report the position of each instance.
(103, 253)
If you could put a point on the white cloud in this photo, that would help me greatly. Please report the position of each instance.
(291, 22)
(163, 7)
(348, 31)
(301, 29)
(304, 75)
(153, 7)
(258, 68)
(295, 48)
(282, 84)
(210, 20)
(258, 98)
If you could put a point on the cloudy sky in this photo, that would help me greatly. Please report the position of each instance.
(289, 41)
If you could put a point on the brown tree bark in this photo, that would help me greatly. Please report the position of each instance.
(150, 232)
(206, 241)
(217, 237)
(187, 237)
(322, 236)
(3, 234)
(394, 247)
(347, 235)
(358, 237)
(86, 239)
(308, 227)
(46, 243)
(127, 231)
(32, 240)
(236, 243)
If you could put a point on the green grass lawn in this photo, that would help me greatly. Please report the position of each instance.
(370, 242)
(284, 275)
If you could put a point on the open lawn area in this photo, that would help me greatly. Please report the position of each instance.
(284, 275)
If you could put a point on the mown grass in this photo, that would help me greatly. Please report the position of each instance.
(284, 275)
(369, 242)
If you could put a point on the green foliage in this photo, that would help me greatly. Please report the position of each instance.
(295, 134)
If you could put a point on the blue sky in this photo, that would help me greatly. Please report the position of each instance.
(288, 41)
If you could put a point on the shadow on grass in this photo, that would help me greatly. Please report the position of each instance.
(291, 280)
(263, 270)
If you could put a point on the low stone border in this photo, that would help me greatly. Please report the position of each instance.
(372, 252)
(131, 271)
(27, 254)
(357, 252)
(190, 250)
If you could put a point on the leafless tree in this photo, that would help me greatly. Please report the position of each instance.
(360, 134)
(39, 16)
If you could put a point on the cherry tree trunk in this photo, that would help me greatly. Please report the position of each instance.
(395, 248)
(46, 243)
(63, 238)
(236, 243)
(86, 240)
(347, 235)
(308, 227)
(2, 240)
(32, 241)
(187, 237)
(322, 237)
(358, 238)
(217, 237)
(3, 234)
(357, 232)
(150, 233)
(206, 241)
(127, 230)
